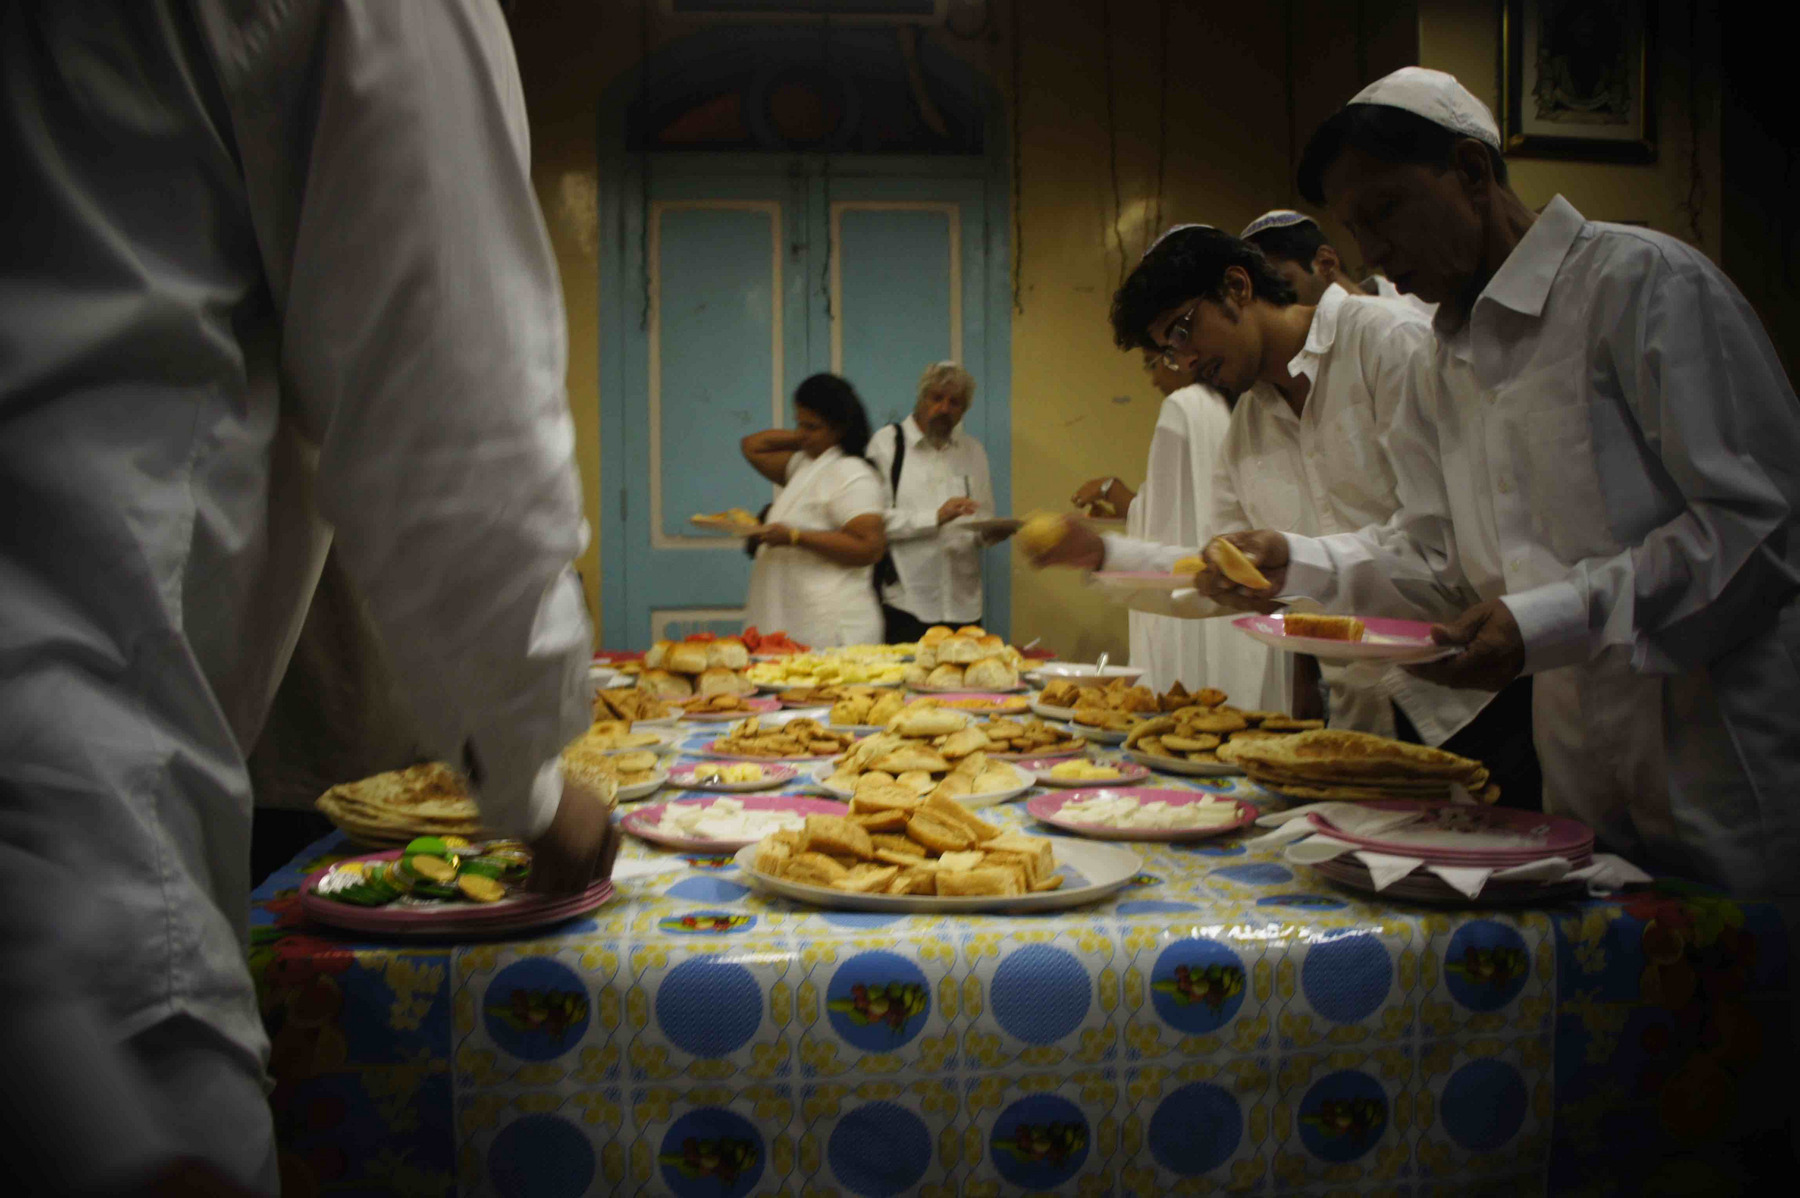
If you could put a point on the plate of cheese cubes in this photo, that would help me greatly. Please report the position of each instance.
(1143, 813)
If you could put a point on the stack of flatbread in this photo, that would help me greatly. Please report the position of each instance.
(895, 842)
(1202, 733)
(1334, 764)
(925, 749)
(389, 809)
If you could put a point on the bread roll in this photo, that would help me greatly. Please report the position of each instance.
(657, 655)
(991, 645)
(945, 677)
(1042, 532)
(971, 630)
(991, 674)
(718, 681)
(730, 653)
(959, 650)
(665, 685)
(686, 658)
(934, 634)
(926, 659)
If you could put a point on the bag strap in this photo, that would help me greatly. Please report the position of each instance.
(886, 573)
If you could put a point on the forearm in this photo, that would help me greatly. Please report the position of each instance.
(1135, 556)
(905, 524)
(842, 548)
(768, 452)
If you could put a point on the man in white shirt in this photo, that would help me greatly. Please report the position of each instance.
(1315, 390)
(269, 269)
(1296, 247)
(936, 474)
(1602, 446)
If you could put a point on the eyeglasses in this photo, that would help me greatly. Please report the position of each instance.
(1180, 333)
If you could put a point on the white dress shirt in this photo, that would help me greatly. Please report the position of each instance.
(1609, 444)
(239, 232)
(1166, 520)
(939, 568)
(805, 594)
(1325, 471)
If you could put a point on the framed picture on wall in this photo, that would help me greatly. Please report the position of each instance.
(1578, 79)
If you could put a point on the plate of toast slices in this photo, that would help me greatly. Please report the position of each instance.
(1345, 638)
(904, 853)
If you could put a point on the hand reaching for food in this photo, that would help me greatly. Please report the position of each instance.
(1244, 570)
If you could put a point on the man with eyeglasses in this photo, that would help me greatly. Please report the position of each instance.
(1316, 387)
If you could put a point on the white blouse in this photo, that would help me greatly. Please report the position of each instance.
(811, 598)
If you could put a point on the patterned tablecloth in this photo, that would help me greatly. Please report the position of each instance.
(1227, 1022)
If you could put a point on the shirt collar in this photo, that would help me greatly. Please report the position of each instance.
(1523, 281)
(1321, 334)
(916, 435)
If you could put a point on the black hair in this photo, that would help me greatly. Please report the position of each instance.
(1187, 263)
(833, 400)
(1385, 133)
(1298, 243)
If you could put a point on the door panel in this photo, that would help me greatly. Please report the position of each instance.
(897, 274)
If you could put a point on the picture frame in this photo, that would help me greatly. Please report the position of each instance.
(1578, 80)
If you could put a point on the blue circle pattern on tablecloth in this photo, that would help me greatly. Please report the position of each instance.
(878, 1001)
(1197, 985)
(540, 1156)
(1155, 907)
(708, 1007)
(1208, 849)
(1196, 1129)
(707, 889)
(1486, 965)
(712, 1153)
(1261, 873)
(536, 1009)
(1040, 1142)
(1040, 994)
(1343, 1116)
(1483, 1105)
(1347, 978)
(1302, 902)
(879, 1149)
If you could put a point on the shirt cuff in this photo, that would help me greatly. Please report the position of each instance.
(1552, 622)
(1130, 555)
(542, 802)
(1310, 571)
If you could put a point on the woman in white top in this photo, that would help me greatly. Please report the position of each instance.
(814, 571)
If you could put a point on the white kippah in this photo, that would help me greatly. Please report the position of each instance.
(1170, 232)
(1279, 218)
(1437, 97)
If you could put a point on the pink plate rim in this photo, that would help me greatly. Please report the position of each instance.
(684, 775)
(1567, 835)
(1398, 634)
(515, 913)
(641, 823)
(711, 749)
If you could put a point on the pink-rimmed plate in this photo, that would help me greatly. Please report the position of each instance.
(1130, 773)
(1466, 834)
(1397, 641)
(756, 707)
(1422, 886)
(1048, 808)
(643, 823)
(513, 914)
(774, 774)
(711, 749)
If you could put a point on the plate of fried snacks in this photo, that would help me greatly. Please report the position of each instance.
(716, 709)
(1015, 739)
(1334, 763)
(897, 851)
(801, 739)
(1188, 741)
(1061, 698)
(636, 707)
(637, 773)
(440, 886)
(927, 750)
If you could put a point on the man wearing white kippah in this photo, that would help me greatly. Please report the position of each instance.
(1601, 443)
(1296, 247)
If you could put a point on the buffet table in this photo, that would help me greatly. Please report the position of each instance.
(1226, 1022)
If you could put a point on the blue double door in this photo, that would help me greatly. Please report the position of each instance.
(737, 282)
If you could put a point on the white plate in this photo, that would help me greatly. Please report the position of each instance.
(1048, 712)
(1178, 765)
(1131, 774)
(668, 741)
(661, 721)
(774, 775)
(1101, 868)
(974, 802)
(857, 730)
(1100, 736)
(643, 790)
(1074, 670)
(1005, 525)
(1397, 641)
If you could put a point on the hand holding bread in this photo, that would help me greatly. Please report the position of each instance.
(1246, 570)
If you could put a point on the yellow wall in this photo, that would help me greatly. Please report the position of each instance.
(1082, 409)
